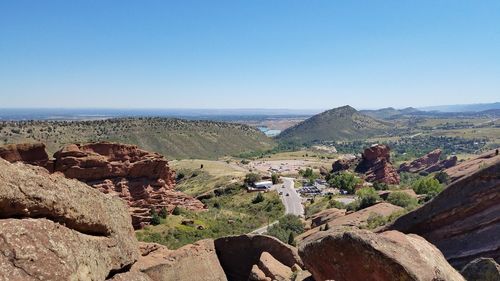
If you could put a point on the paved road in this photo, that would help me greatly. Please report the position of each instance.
(292, 202)
(263, 229)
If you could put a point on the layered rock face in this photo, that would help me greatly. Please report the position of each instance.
(376, 165)
(360, 255)
(428, 163)
(462, 221)
(238, 254)
(54, 228)
(29, 153)
(143, 179)
(356, 219)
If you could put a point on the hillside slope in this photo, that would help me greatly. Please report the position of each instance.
(338, 124)
(174, 138)
(389, 112)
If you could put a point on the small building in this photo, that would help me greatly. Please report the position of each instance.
(260, 186)
(263, 184)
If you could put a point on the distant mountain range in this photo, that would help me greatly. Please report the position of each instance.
(338, 124)
(389, 112)
(463, 107)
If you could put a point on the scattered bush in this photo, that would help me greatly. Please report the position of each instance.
(428, 186)
(287, 226)
(163, 213)
(176, 211)
(442, 177)
(367, 197)
(402, 199)
(155, 219)
(345, 181)
(252, 178)
(259, 198)
(275, 178)
(380, 186)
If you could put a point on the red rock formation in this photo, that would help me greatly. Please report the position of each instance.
(29, 153)
(376, 165)
(343, 164)
(428, 163)
(462, 221)
(360, 255)
(141, 178)
(238, 254)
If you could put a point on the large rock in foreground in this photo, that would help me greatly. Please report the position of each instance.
(194, 262)
(54, 228)
(360, 255)
(463, 220)
(376, 165)
(238, 254)
(143, 179)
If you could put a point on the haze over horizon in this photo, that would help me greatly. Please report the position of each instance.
(254, 55)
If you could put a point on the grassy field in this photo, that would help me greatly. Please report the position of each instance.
(214, 174)
(230, 214)
(174, 138)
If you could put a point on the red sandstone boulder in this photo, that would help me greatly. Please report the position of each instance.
(29, 153)
(361, 255)
(376, 165)
(238, 254)
(141, 178)
(54, 228)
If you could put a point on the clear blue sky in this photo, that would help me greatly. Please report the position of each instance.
(248, 53)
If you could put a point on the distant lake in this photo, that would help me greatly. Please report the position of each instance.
(269, 132)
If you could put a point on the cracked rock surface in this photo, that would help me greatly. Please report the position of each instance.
(54, 228)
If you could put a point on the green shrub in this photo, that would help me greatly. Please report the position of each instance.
(155, 219)
(367, 197)
(380, 185)
(402, 199)
(345, 181)
(428, 186)
(275, 178)
(252, 178)
(336, 204)
(375, 220)
(286, 225)
(442, 177)
(258, 198)
(163, 213)
(176, 211)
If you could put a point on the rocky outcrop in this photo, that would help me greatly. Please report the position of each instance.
(356, 219)
(472, 165)
(428, 163)
(326, 216)
(143, 179)
(29, 153)
(238, 254)
(194, 262)
(376, 165)
(343, 164)
(54, 228)
(462, 220)
(482, 269)
(363, 255)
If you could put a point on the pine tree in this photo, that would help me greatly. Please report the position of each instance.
(291, 239)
